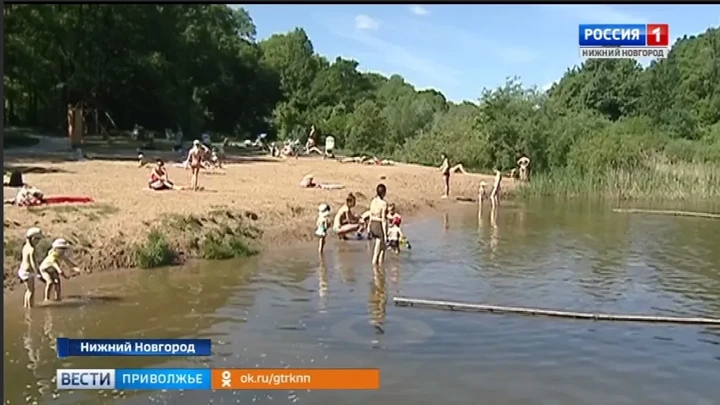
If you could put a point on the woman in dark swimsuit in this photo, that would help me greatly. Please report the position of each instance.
(378, 224)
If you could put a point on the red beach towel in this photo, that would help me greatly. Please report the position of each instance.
(64, 199)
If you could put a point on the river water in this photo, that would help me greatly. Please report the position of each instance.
(289, 309)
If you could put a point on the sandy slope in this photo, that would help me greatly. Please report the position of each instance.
(266, 187)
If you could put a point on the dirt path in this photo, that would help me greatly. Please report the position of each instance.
(125, 209)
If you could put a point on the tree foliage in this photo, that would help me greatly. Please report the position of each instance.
(200, 66)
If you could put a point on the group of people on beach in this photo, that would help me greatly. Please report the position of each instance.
(380, 223)
(48, 271)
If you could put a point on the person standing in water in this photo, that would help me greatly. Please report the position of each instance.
(321, 226)
(50, 268)
(28, 268)
(378, 228)
(195, 160)
(495, 192)
(445, 169)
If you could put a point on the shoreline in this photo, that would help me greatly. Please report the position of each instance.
(255, 201)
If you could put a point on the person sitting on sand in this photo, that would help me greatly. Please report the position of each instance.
(345, 222)
(28, 268)
(495, 192)
(523, 163)
(310, 147)
(195, 158)
(159, 178)
(329, 147)
(50, 268)
(287, 151)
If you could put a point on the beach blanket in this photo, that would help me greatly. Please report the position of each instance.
(66, 199)
(331, 186)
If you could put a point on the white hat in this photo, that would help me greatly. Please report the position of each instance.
(34, 231)
(324, 208)
(60, 243)
(196, 142)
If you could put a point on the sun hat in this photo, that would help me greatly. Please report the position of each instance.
(60, 243)
(34, 231)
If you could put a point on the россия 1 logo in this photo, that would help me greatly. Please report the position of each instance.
(624, 41)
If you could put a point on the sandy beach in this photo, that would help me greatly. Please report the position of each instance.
(268, 189)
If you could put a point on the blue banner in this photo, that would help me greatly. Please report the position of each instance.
(162, 379)
(133, 347)
(156, 379)
(612, 35)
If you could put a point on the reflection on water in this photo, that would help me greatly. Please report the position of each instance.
(297, 310)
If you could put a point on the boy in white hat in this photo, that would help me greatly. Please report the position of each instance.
(50, 268)
(322, 225)
(28, 268)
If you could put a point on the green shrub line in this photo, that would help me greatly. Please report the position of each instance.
(220, 235)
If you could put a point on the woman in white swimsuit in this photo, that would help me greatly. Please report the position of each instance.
(195, 161)
(378, 224)
(28, 268)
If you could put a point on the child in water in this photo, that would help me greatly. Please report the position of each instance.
(322, 224)
(395, 235)
(50, 268)
(28, 268)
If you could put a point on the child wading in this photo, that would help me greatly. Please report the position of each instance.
(50, 268)
(321, 225)
(28, 268)
(395, 234)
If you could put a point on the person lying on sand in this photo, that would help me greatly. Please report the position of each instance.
(309, 182)
(50, 268)
(26, 196)
(345, 222)
(379, 162)
(159, 178)
(458, 168)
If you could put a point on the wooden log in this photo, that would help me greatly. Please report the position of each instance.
(473, 307)
(667, 212)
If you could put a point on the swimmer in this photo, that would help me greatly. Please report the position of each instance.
(445, 169)
(345, 222)
(28, 268)
(395, 235)
(50, 268)
(321, 225)
(195, 161)
(378, 224)
(495, 192)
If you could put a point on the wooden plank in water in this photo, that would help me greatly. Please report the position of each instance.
(472, 307)
(666, 212)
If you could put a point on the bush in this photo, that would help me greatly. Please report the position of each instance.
(154, 252)
(217, 246)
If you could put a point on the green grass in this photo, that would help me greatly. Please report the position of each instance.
(155, 251)
(223, 246)
(655, 180)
